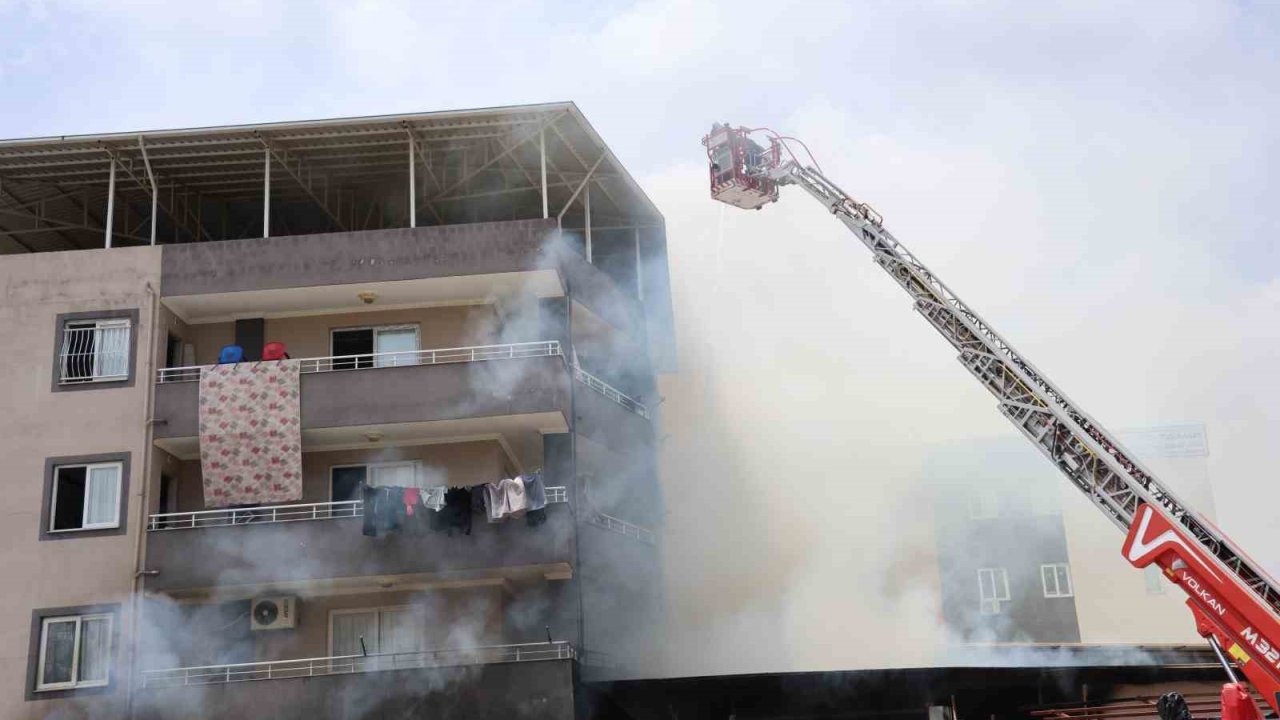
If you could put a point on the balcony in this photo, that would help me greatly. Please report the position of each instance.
(496, 681)
(433, 392)
(348, 664)
(239, 517)
(243, 552)
(447, 392)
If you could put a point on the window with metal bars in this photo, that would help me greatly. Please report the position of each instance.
(94, 350)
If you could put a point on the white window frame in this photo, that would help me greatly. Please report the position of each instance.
(417, 340)
(1051, 570)
(984, 504)
(1000, 592)
(96, 325)
(368, 471)
(418, 609)
(84, 510)
(41, 685)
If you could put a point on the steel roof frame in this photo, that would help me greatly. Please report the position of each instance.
(48, 185)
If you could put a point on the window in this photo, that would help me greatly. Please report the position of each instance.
(1056, 579)
(345, 480)
(384, 630)
(95, 350)
(983, 504)
(85, 497)
(993, 589)
(1154, 578)
(375, 346)
(75, 652)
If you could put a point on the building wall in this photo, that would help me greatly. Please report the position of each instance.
(37, 424)
(1039, 518)
(1113, 601)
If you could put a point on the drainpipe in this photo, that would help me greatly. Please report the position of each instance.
(139, 550)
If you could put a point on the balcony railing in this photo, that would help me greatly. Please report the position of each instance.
(438, 356)
(283, 513)
(622, 527)
(347, 664)
(610, 392)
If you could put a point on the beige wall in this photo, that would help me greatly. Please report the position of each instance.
(38, 423)
(1112, 602)
(458, 464)
(439, 327)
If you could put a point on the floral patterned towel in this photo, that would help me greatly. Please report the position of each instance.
(250, 433)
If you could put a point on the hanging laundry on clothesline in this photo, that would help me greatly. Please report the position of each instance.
(504, 499)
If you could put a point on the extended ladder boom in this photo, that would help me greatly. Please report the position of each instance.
(1234, 601)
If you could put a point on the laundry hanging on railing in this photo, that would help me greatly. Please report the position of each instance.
(456, 513)
(412, 510)
(536, 495)
(505, 499)
(250, 433)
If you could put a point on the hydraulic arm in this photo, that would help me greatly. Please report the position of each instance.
(1236, 605)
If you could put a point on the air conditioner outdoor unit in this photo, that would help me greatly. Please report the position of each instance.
(273, 613)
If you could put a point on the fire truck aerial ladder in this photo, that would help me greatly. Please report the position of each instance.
(1236, 605)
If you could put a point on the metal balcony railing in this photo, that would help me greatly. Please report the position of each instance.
(256, 516)
(347, 664)
(283, 513)
(610, 392)
(622, 527)
(371, 361)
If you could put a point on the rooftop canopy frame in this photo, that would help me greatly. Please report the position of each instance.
(198, 185)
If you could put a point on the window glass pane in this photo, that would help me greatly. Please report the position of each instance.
(78, 351)
(104, 496)
(111, 358)
(59, 651)
(346, 483)
(398, 340)
(347, 629)
(401, 631)
(1003, 586)
(68, 498)
(1064, 580)
(95, 649)
(397, 475)
(352, 342)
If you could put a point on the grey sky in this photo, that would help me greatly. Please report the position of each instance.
(1097, 179)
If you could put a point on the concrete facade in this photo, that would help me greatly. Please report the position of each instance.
(576, 591)
(93, 570)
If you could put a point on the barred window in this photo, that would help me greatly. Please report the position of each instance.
(94, 351)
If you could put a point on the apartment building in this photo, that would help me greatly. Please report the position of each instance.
(1025, 559)
(445, 302)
